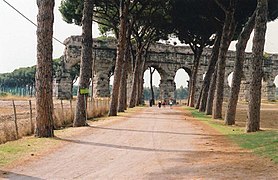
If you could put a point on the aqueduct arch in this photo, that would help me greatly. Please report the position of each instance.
(165, 58)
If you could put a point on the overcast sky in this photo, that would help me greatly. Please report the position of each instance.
(18, 36)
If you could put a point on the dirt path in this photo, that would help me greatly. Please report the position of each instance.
(154, 144)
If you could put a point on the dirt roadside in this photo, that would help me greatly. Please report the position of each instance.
(152, 144)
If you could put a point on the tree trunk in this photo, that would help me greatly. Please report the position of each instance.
(197, 55)
(132, 100)
(238, 70)
(151, 84)
(120, 59)
(85, 65)
(254, 105)
(209, 74)
(140, 89)
(189, 89)
(140, 82)
(199, 99)
(135, 75)
(211, 93)
(123, 89)
(127, 59)
(44, 101)
(227, 34)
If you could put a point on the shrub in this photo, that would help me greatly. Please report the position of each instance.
(3, 94)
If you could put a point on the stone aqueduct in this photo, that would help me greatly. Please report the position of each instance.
(166, 59)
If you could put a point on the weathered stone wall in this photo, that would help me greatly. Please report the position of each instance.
(270, 71)
(166, 59)
(103, 55)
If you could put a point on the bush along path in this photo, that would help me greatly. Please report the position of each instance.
(153, 143)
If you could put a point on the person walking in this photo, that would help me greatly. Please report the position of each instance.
(159, 104)
(171, 104)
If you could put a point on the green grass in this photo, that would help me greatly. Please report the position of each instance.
(263, 143)
(23, 148)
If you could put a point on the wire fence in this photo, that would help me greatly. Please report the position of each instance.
(17, 117)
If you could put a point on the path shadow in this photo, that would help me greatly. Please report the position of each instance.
(210, 165)
(16, 176)
(144, 149)
(149, 118)
(158, 132)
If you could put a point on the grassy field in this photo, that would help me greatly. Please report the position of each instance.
(263, 143)
(63, 115)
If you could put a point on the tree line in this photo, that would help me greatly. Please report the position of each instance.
(198, 23)
(21, 81)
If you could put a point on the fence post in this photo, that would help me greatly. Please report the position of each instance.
(15, 120)
(71, 110)
(97, 104)
(31, 117)
(62, 107)
(89, 107)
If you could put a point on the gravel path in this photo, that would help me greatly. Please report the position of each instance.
(153, 144)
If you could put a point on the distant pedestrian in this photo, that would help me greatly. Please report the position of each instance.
(171, 104)
(164, 103)
(159, 104)
(151, 103)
